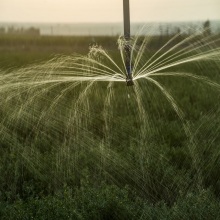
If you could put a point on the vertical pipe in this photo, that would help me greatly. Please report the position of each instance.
(126, 19)
(127, 36)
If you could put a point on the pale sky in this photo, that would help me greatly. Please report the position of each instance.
(107, 10)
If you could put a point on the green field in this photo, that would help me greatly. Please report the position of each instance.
(17, 51)
(96, 149)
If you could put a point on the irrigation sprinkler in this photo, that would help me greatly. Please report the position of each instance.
(127, 37)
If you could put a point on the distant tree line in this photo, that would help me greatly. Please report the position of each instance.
(167, 30)
(20, 31)
(163, 30)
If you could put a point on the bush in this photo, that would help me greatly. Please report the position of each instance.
(110, 202)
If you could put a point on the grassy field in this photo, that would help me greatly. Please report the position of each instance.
(17, 51)
(102, 150)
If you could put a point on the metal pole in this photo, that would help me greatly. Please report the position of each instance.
(127, 39)
(126, 19)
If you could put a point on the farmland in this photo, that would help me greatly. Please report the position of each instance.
(100, 150)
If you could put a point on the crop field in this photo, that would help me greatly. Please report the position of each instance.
(77, 143)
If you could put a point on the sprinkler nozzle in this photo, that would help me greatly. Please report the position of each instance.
(129, 81)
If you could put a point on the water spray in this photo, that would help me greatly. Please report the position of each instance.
(127, 37)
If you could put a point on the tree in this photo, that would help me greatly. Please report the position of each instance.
(206, 28)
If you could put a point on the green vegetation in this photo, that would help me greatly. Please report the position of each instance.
(20, 50)
(89, 151)
(107, 202)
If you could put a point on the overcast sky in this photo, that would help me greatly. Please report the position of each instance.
(107, 10)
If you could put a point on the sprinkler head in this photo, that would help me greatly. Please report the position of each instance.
(129, 81)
